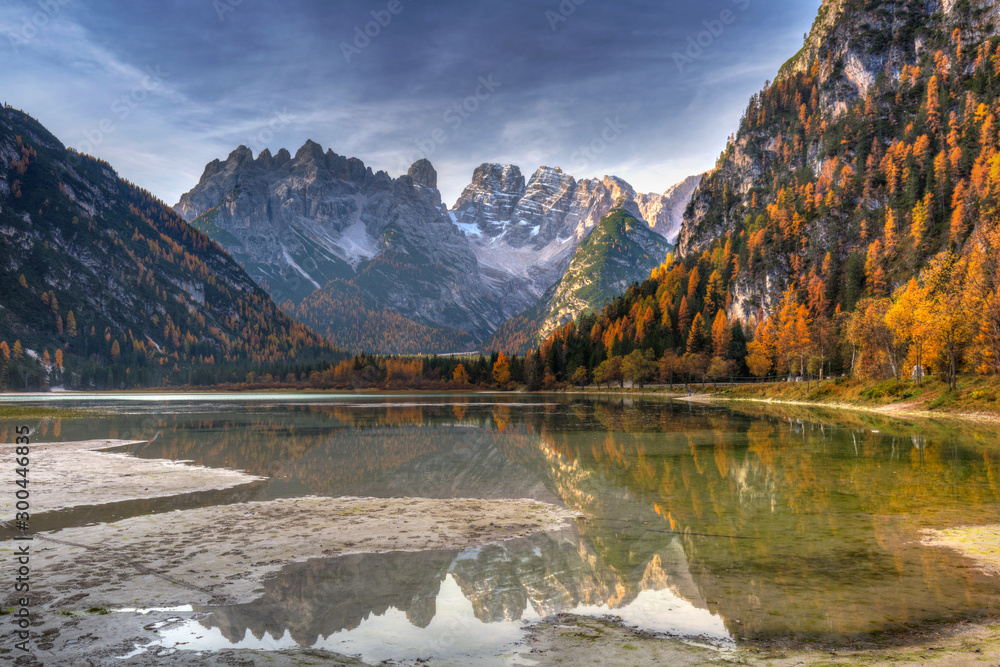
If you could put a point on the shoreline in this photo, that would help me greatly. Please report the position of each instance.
(889, 410)
(704, 395)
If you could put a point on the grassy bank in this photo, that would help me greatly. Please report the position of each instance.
(975, 397)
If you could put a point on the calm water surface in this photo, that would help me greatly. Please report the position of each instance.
(700, 521)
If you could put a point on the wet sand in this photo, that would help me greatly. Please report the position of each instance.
(222, 555)
(980, 544)
(74, 474)
(573, 640)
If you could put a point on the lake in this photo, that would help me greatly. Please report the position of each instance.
(724, 525)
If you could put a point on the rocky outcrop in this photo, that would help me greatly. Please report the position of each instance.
(665, 213)
(320, 222)
(488, 202)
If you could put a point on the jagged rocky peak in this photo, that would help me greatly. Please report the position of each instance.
(268, 161)
(488, 202)
(310, 163)
(423, 173)
(241, 155)
(550, 178)
(368, 243)
(499, 177)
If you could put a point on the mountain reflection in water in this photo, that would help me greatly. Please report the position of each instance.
(707, 521)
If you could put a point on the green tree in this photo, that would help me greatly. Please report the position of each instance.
(697, 336)
(610, 371)
(639, 367)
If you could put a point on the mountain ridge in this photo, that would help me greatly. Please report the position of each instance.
(322, 232)
(100, 271)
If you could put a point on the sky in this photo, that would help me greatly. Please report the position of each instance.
(642, 89)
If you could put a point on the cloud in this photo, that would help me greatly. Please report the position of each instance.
(228, 80)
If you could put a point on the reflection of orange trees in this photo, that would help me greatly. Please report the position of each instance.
(802, 492)
(409, 415)
(501, 417)
(932, 479)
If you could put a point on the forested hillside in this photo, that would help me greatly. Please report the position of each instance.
(104, 286)
(620, 249)
(851, 225)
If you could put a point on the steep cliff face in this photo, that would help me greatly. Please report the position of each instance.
(323, 233)
(847, 172)
(111, 277)
(665, 213)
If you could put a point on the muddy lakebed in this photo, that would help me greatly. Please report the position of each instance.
(492, 529)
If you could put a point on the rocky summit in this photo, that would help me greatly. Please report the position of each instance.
(381, 264)
(323, 233)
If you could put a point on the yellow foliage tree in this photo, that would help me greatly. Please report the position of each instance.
(501, 370)
(722, 335)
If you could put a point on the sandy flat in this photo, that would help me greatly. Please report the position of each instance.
(980, 544)
(221, 555)
(75, 474)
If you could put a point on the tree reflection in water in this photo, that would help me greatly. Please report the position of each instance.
(793, 523)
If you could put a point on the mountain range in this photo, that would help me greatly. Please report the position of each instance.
(871, 155)
(381, 264)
